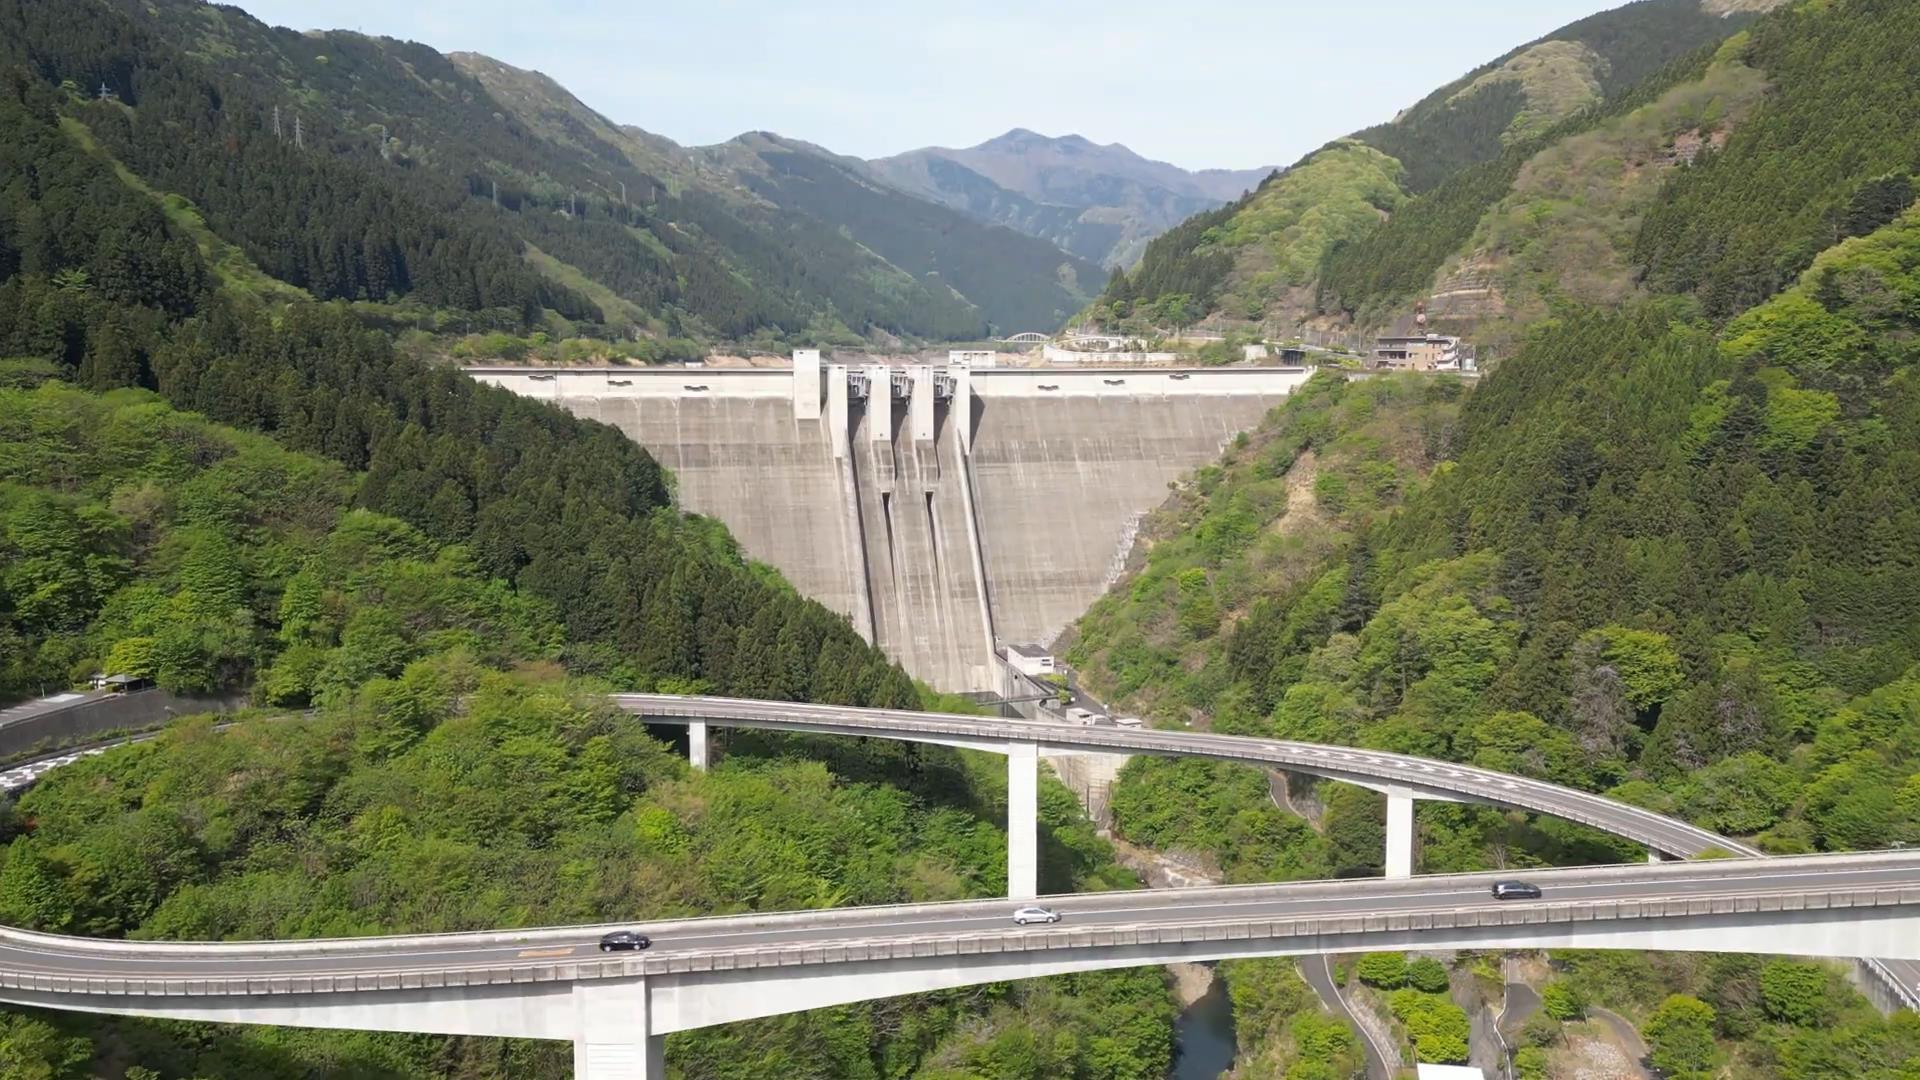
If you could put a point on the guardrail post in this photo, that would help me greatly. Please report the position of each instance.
(1399, 833)
(1023, 820)
(613, 1038)
(697, 744)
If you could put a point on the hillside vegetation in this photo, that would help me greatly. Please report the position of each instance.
(451, 777)
(1473, 131)
(415, 183)
(1721, 178)
(1665, 559)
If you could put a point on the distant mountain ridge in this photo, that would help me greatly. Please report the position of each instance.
(1269, 257)
(1101, 202)
(460, 190)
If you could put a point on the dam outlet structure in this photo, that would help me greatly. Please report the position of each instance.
(946, 510)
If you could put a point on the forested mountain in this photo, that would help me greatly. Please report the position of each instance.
(1282, 251)
(449, 777)
(1100, 202)
(1664, 549)
(1722, 177)
(426, 563)
(373, 170)
(1027, 281)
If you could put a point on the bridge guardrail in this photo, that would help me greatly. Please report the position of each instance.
(909, 947)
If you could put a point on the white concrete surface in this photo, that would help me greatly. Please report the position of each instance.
(1023, 820)
(1399, 862)
(697, 745)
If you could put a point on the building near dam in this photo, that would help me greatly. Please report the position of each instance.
(945, 509)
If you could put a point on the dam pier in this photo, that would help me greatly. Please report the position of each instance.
(946, 510)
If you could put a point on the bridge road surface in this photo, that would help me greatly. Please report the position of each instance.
(842, 926)
(1384, 771)
(1424, 778)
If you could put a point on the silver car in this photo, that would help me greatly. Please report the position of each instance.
(1034, 913)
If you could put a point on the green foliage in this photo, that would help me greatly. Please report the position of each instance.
(1645, 661)
(1460, 212)
(1797, 993)
(512, 801)
(1457, 151)
(1218, 809)
(1806, 169)
(1387, 971)
(1563, 1001)
(1680, 1033)
(1248, 255)
(1426, 975)
(31, 1049)
(1530, 1063)
(201, 539)
(1255, 528)
(1437, 1028)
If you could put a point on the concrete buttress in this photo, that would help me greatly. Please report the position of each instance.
(1399, 833)
(1023, 820)
(613, 1039)
(697, 745)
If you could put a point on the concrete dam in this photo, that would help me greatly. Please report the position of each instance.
(946, 510)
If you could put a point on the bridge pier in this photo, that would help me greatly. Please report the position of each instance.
(613, 1037)
(1399, 833)
(697, 744)
(1023, 820)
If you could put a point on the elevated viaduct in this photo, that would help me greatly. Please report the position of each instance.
(550, 983)
(943, 509)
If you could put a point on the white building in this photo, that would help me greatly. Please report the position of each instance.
(1030, 660)
(973, 358)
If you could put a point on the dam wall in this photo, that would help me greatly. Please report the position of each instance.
(946, 511)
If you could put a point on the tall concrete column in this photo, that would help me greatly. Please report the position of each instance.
(920, 404)
(613, 1037)
(697, 745)
(1399, 833)
(879, 403)
(806, 384)
(1023, 820)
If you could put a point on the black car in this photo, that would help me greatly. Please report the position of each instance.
(624, 939)
(1515, 890)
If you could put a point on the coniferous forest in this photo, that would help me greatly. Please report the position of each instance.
(219, 493)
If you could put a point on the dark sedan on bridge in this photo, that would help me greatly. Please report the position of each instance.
(624, 939)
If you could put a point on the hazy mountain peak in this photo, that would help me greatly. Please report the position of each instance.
(1100, 201)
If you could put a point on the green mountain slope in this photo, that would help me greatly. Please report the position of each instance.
(1100, 202)
(1721, 178)
(1664, 550)
(420, 558)
(1452, 136)
(448, 778)
(1662, 559)
(426, 179)
(1027, 283)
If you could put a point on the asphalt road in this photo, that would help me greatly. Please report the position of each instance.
(838, 927)
(1421, 775)
(844, 926)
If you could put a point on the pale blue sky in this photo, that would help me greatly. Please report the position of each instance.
(1200, 83)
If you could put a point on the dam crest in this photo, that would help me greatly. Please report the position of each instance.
(946, 510)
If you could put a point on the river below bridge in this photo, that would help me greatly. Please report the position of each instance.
(1203, 1040)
